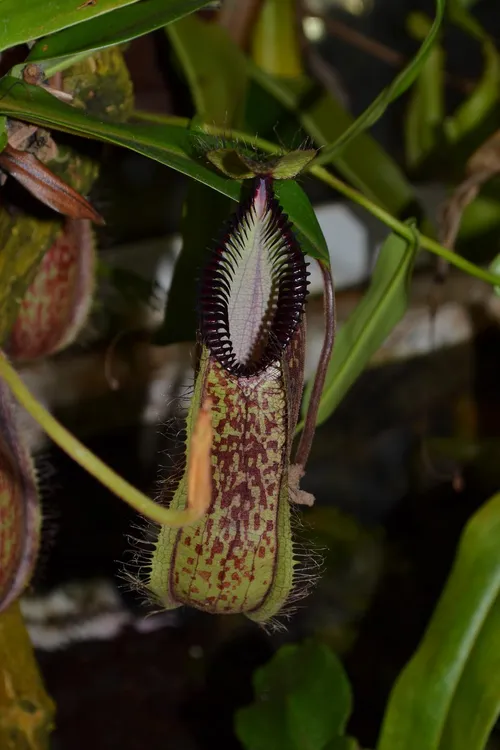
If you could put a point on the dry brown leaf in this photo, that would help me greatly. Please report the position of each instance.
(46, 186)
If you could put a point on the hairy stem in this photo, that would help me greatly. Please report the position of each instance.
(309, 425)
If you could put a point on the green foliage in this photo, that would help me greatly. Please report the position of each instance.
(22, 22)
(302, 702)
(362, 161)
(171, 145)
(402, 82)
(426, 108)
(429, 130)
(215, 69)
(123, 25)
(448, 696)
(477, 106)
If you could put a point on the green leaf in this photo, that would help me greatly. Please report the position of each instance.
(168, 144)
(105, 31)
(485, 95)
(302, 701)
(215, 68)
(291, 164)
(402, 82)
(229, 161)
(426, 109)
(25, 20)
(363, 162)
(382, 306)
(476, 703)
(275, 42)
(425, 704)
(297, 205)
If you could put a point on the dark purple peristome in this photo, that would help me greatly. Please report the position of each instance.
(259, 226)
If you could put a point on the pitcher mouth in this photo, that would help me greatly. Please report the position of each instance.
(254, 286)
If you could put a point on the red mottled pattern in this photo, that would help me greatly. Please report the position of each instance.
(57, 303)
(227, 564)
(19, 507)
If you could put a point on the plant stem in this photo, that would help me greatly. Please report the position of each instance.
(402, 229)
(309, 425)
(26, 711)
(349, 192)
(89, 461)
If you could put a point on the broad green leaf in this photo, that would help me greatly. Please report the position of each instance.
(421, 710)
(105, 31)
(476, 704)
(382, 306)
(485, 95)
(168, 144)
(24, 20)
(363, 162)
(275, 41)
(302, 701)
(426, 108)
(215, 69)
(402, 82)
